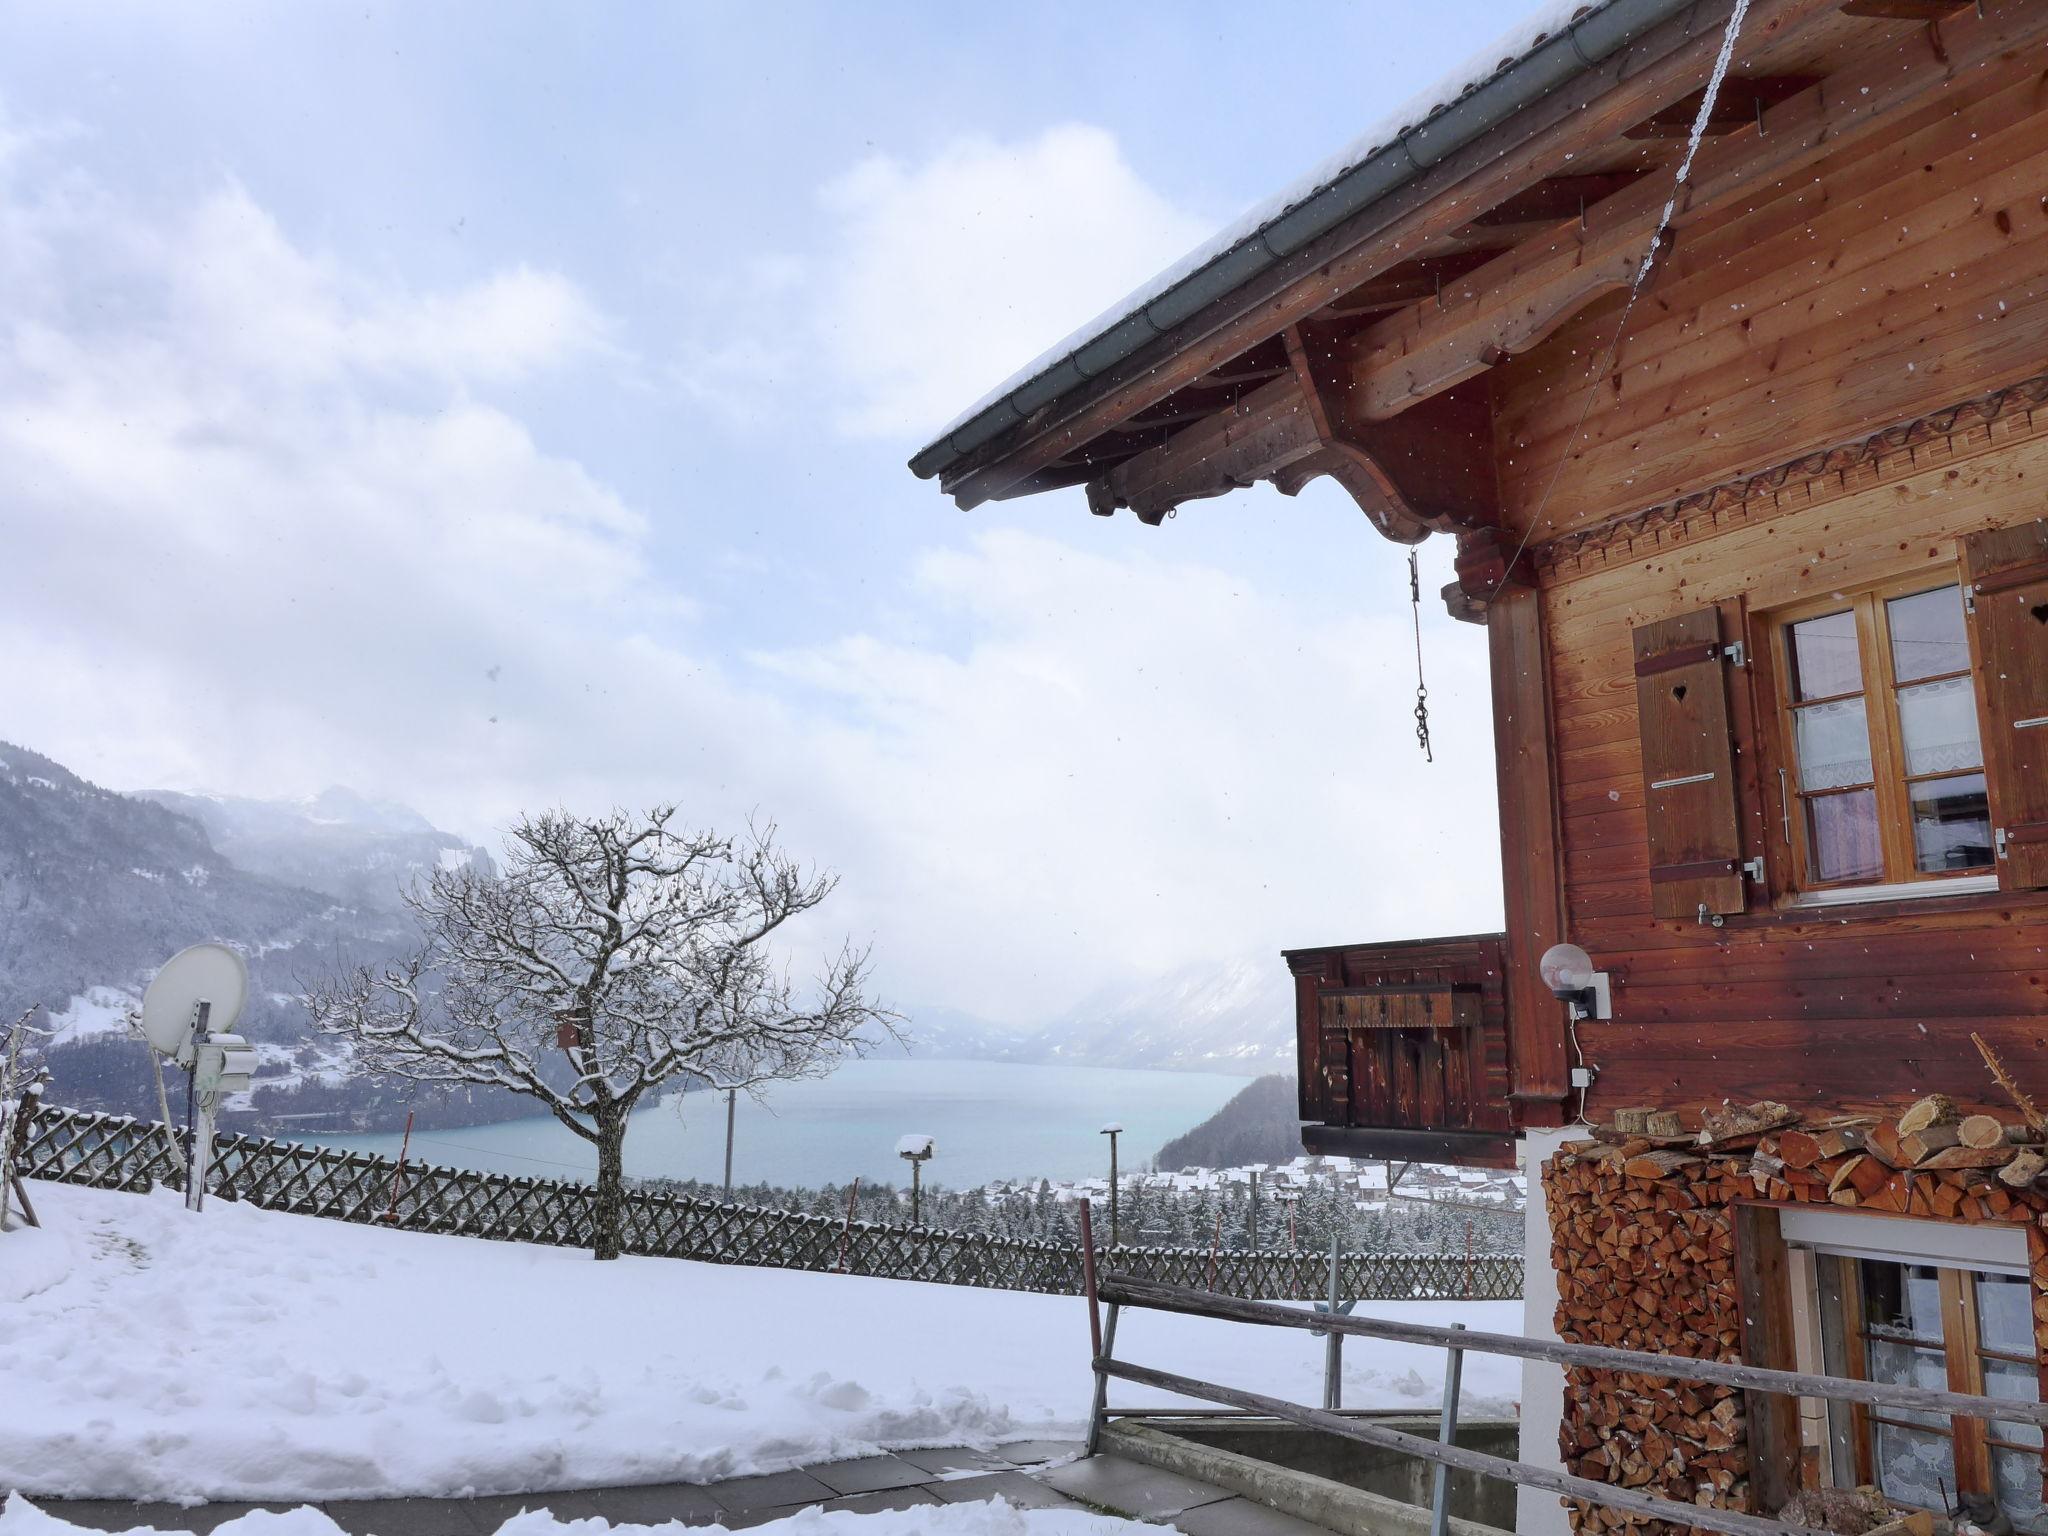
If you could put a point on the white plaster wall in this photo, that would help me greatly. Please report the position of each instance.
(1538, 1513)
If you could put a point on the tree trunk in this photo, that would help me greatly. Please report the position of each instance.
(608, 1214)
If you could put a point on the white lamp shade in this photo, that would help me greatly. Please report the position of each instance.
(1566, 968)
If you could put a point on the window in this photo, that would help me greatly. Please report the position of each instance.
(1923, 1325)
(1884, 773)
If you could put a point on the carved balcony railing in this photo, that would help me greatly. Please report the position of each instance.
(1403, 1050)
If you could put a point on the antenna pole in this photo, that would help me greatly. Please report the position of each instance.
(198, 1126)
(163, 1108)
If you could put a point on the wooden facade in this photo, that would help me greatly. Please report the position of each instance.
(1752, 500)
(1409, 1040)
(1832, 379)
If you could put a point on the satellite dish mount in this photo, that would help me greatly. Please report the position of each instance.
(187, 1013)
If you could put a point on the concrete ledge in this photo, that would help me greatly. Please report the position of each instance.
(1322, 1501)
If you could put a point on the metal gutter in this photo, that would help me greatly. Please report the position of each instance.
(1580, 46)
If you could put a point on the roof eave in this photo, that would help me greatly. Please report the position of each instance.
(1053, 392)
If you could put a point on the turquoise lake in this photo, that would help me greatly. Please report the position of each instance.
(992, 1120)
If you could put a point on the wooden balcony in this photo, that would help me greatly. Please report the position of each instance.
(1403, 1050)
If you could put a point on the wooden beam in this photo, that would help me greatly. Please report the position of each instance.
(1587, 111)
(1763, 1279)
(1506, 306)
(1557, 197)
(1738, 104)
(1900, 10)
(1422, 278)
(1429, 470)
(1532, 866)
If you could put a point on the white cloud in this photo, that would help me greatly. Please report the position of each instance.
(1138, 761)
(946, 276)
(266, 531)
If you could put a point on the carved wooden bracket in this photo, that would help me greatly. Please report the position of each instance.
(1411, 357)
(1429, 470)
(1490, 561)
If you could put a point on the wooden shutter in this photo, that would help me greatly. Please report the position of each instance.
(2008, 575)
(1689, 795)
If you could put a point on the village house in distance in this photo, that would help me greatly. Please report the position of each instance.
(1747, 473)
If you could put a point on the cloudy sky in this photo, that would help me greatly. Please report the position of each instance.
(492, 406)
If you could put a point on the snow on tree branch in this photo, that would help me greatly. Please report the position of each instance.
(612, 954)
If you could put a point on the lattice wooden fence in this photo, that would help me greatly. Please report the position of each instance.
(119, 1152)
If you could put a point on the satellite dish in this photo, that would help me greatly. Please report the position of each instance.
(211, 973)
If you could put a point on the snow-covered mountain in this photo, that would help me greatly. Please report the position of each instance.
(98, 888)
(1235, 1016)
(356, 850)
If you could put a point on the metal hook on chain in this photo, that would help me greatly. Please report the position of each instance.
(1421, 688)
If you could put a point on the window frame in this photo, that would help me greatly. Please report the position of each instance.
(1844, 1325)
(1890, 785)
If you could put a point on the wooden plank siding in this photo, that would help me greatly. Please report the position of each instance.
(1906, 274)
(1907, 269)
(1847, 1008)
(1452, 1082)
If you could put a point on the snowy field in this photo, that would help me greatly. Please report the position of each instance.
(242, 1354)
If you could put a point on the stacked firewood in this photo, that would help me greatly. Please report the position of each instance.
(1644, 1249)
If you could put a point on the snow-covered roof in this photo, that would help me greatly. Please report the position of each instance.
(1282, 223)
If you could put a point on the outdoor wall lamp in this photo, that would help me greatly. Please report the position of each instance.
(1568, 971)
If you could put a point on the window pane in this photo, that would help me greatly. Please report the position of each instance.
(2005, 1322)
(1927, 634)
(1916, 1466)
(1825, 661)
(2018, 1476)
(1939, 722)
(1902, 1301)
(1951, 824)
(1834, 744)
(1843, 830)
(2005, 1319)
(2021, 1383)
(1909, 1365)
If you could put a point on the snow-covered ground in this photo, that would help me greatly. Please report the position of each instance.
(150, 1353)
(19, 1517)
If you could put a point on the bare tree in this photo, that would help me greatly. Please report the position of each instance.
(611, 955)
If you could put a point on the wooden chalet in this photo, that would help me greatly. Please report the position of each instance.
(1758, 541)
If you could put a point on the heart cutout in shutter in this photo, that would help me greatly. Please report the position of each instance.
(1678, 693)
(2040, 613)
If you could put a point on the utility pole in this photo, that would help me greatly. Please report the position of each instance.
(1254, 1217)
(916, 1151)
(1112, 1130)
(730, 1095)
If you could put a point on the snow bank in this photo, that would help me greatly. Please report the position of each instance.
(246, 1354)
(32, 1259)
(995, 1517)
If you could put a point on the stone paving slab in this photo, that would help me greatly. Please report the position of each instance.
(126, 1514)
(886, 1498)
(916, 1479)
(1020, 1489)
(957, 1458)
(770, 1490)
(1241, 1517)
(1131, 1488)
(869, 1474)
(644, 1504)
(1030, 1452)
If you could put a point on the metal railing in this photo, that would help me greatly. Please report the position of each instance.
(1120, 1291)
